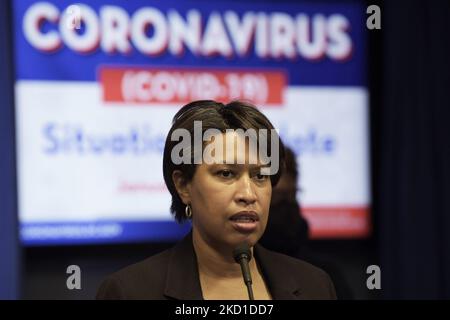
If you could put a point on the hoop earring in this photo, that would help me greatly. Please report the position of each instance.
(188, 211)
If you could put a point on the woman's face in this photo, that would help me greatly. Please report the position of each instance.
(230, 202)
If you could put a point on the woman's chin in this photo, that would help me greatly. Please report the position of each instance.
(250, 239)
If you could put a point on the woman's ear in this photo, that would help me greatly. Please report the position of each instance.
(182, 186)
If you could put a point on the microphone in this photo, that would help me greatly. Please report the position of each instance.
(243, 255)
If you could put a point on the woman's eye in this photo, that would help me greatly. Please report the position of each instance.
(225, 173)
(261, 177)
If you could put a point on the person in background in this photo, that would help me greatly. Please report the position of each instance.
(287, 230)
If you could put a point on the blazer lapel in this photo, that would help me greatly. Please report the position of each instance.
(182, 280)
(282, 285)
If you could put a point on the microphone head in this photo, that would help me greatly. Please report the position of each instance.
(242, 251)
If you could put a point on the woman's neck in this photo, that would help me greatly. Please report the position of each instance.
(217, 262)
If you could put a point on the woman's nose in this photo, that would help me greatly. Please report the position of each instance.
(246, 192)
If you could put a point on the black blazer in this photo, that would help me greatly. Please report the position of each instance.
(173, 274)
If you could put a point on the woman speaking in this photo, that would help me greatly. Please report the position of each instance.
(220, 164)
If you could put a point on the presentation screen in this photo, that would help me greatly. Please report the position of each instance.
(98, 82)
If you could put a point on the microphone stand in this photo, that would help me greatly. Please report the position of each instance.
(243, 255)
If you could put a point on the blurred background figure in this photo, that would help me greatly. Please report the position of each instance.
(287, 231)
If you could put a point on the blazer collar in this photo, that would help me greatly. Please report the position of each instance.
(183, 281)
(282, 285)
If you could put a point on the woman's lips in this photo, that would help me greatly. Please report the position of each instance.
(245, 221)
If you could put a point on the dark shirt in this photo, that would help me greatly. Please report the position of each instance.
(173, 274)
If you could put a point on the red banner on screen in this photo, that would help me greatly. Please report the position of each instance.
(159, 85)
(338, 222)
